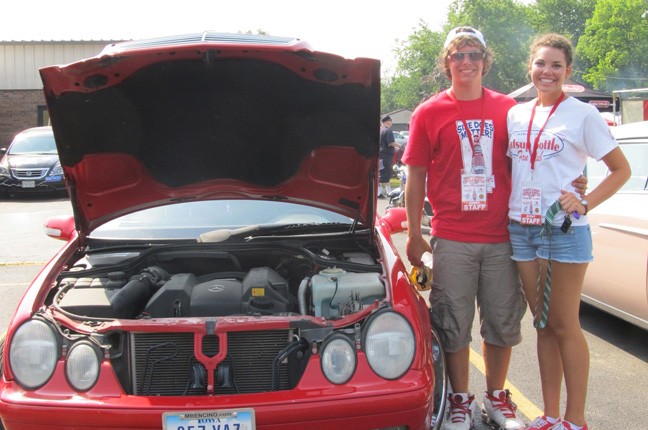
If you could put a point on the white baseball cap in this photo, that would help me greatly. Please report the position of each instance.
(464, 31)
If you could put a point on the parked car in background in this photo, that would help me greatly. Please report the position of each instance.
(616, 281)
(225, 266)
(30, 164)
(402, 141)
(400, 138)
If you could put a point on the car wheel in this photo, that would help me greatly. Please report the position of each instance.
(2, 342)
(2, 339)
(440, 382)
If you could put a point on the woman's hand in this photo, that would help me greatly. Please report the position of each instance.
(571, 203)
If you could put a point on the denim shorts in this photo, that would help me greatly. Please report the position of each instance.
(575, 246)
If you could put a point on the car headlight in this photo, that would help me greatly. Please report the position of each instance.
(389, 345)
(82, 365)
(57, 170)
(33, 354)
(338, 359)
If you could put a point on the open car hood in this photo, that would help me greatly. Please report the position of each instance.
(214, 116)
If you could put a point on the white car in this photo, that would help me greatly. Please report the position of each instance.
(400, 138)
(616, 280)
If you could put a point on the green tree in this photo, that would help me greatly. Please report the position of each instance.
(505, 26)
(567, 17)
(416, 77)
(616, 44)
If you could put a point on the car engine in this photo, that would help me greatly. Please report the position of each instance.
(180, 284)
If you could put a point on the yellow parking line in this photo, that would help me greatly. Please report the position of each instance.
(25, 263)
(524, 405)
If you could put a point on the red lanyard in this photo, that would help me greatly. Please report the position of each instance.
(481, 131)
(537, 139)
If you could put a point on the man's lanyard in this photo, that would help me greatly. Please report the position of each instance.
(534, 153)
(463, 119)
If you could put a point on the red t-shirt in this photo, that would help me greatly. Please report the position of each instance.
(437, 140)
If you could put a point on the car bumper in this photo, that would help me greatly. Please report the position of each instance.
(410, 409)
(14, 186)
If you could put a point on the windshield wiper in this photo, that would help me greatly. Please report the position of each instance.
(269, 229)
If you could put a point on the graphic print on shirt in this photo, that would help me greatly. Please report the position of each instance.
(479, 161)
(477, 179)
(550, 145)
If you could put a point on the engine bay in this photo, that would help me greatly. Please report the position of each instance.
(186, 281)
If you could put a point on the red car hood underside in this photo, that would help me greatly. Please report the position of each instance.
(156, 122)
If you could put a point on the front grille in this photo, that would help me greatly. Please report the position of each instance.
(163, 364)
(29, 173)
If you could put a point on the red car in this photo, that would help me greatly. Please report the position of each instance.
(225, 267)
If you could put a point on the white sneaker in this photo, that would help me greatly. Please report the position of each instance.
(461, 412)
(541, 423)
(500, 410)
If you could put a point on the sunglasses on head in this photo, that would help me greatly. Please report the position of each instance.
(474, 56)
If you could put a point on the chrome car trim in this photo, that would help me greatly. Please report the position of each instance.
(29, 174)
(632, 319)
(630, 230)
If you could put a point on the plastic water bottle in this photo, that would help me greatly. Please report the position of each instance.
(427, 260)
(422, 276)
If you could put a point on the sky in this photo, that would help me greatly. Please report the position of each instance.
(351, 28)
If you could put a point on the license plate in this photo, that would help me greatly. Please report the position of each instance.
(29, 184)
(224, 419)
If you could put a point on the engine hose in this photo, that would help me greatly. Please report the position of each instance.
(301, 293)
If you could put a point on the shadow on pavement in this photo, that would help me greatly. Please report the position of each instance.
(625, 336)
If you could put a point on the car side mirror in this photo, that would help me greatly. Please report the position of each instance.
(395, 219)
(60, 227)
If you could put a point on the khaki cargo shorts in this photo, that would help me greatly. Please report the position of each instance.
(466, 274)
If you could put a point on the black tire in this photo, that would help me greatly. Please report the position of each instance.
(440, 382)
(427, 209)
(2, 342)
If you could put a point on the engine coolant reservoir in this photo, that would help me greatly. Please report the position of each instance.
(333, 287)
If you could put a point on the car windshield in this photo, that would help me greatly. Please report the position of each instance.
(191, 219)
(33, 145)
(637, 154)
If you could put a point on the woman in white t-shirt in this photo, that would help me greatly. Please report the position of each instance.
(550, 139)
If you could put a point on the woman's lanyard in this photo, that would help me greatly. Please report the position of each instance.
(542, 302)
(463, 119)
(534, 153)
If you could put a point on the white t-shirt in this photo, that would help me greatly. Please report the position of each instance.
(575, 131)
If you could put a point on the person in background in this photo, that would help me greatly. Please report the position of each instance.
(457, 154)
(388, 148)
(550, 139)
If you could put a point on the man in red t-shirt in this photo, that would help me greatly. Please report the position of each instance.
(457, 153)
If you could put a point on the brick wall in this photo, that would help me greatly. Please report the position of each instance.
(18, 111)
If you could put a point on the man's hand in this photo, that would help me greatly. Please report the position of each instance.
(416, 246)
(580, 184)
